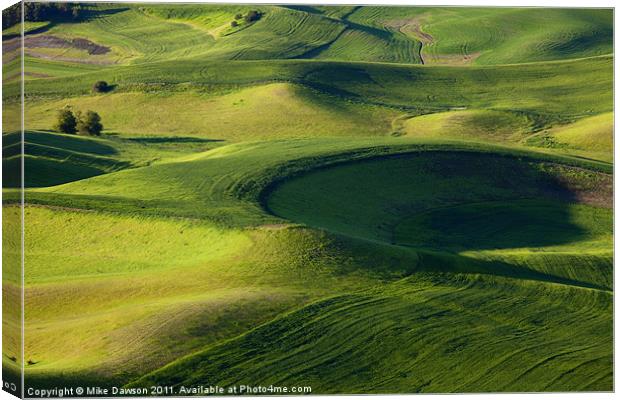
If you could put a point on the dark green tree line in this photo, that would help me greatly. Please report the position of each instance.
(34, 12)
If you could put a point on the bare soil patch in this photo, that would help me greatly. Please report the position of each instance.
(95, 61)
(54, 42)
(49, 41)
(411, 27)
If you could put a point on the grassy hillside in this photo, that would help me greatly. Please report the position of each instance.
(143, 298)
(528, 86)
(52, 158)
(328, 342)
(135, 33)
(502, 35)
(353, 199)
(271, 250)
(224, 185)
(259, 112)
(473, 125)
(403, 338)
(591, 137)
(253, 100)
(429, 185)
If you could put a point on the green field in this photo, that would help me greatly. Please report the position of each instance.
(352, 199)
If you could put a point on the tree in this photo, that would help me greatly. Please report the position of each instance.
(238, 16)
(252, 16)
(11, 15)
(40, 11)
(234, 24)
(65, 121)
(101, 87)
(89, 124)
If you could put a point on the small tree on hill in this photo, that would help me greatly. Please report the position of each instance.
(238, 16)
(101, 87)
(234, 24)
(65, 121)
(252, 16)
(89, 123)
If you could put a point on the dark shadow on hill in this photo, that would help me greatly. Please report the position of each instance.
(86, 14)
(52, 159)
(107, 88)
(444, 262)
(313, 53)
(387, 262)
(376, 32)
(69, 142)
(44, 172)
(91, 13)
(580, 42)
(42, 29)
(466, 200)
(36, 31)
(490, 225)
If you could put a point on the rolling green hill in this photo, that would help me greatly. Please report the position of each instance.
(591, 137)
(230, 204)
(403, 338)
(353, 199)
(138, 33)
(52, 159)
(226, 101)
(500, 35)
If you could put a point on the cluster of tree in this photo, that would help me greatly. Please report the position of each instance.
(251, 16)
(88, 123)
(41, 12)
(101, 87)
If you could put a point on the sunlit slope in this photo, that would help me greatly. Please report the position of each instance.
(136, 33)
(473, 125)
(469, 35)
(12, 224)
(234, 261)
(591, 137)
(267, 111)
(462, 215)
(434, 334)
(145, 290)
(240, 100)
(130, 34)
